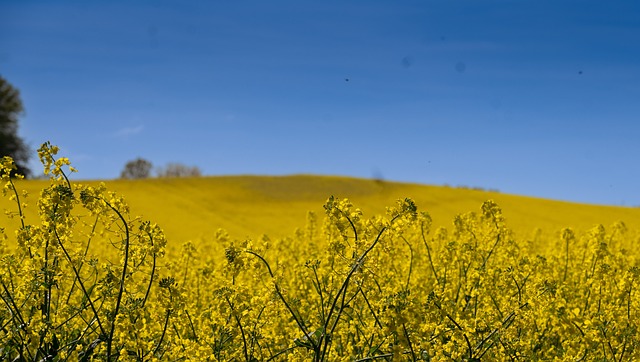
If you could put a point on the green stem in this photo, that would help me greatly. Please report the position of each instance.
(164, 331)
(424, 240)
(79, 279)
(122, 278)
(343, 289)
(244, 339)
(319, 290)
(281, 296)
(84, 256)
(371, 309)
(406, 334)
(410, 261)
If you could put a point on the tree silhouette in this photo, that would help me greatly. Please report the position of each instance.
(179, 170)
(10, 143)
(138, 168)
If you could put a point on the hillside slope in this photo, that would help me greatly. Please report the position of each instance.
(248, 206)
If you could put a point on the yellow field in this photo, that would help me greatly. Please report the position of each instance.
(249, 206)
(145, 271)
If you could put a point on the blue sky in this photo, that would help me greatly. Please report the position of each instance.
(536, 98)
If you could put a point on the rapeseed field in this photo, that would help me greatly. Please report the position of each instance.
(277, 269)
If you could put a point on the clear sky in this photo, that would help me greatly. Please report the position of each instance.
(538, 98)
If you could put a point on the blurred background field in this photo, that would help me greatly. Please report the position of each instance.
(249, 206)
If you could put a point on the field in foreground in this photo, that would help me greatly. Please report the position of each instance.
(84, 279)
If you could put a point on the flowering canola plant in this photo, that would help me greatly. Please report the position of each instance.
(89, 282)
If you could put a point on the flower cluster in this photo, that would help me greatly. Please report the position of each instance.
(81, 280)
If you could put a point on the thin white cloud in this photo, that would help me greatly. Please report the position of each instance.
(129, 131)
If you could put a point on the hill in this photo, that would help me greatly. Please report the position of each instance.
(248, 206)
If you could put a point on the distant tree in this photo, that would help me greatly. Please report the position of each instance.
(179, 170)
(138, 168)
(10, 143)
